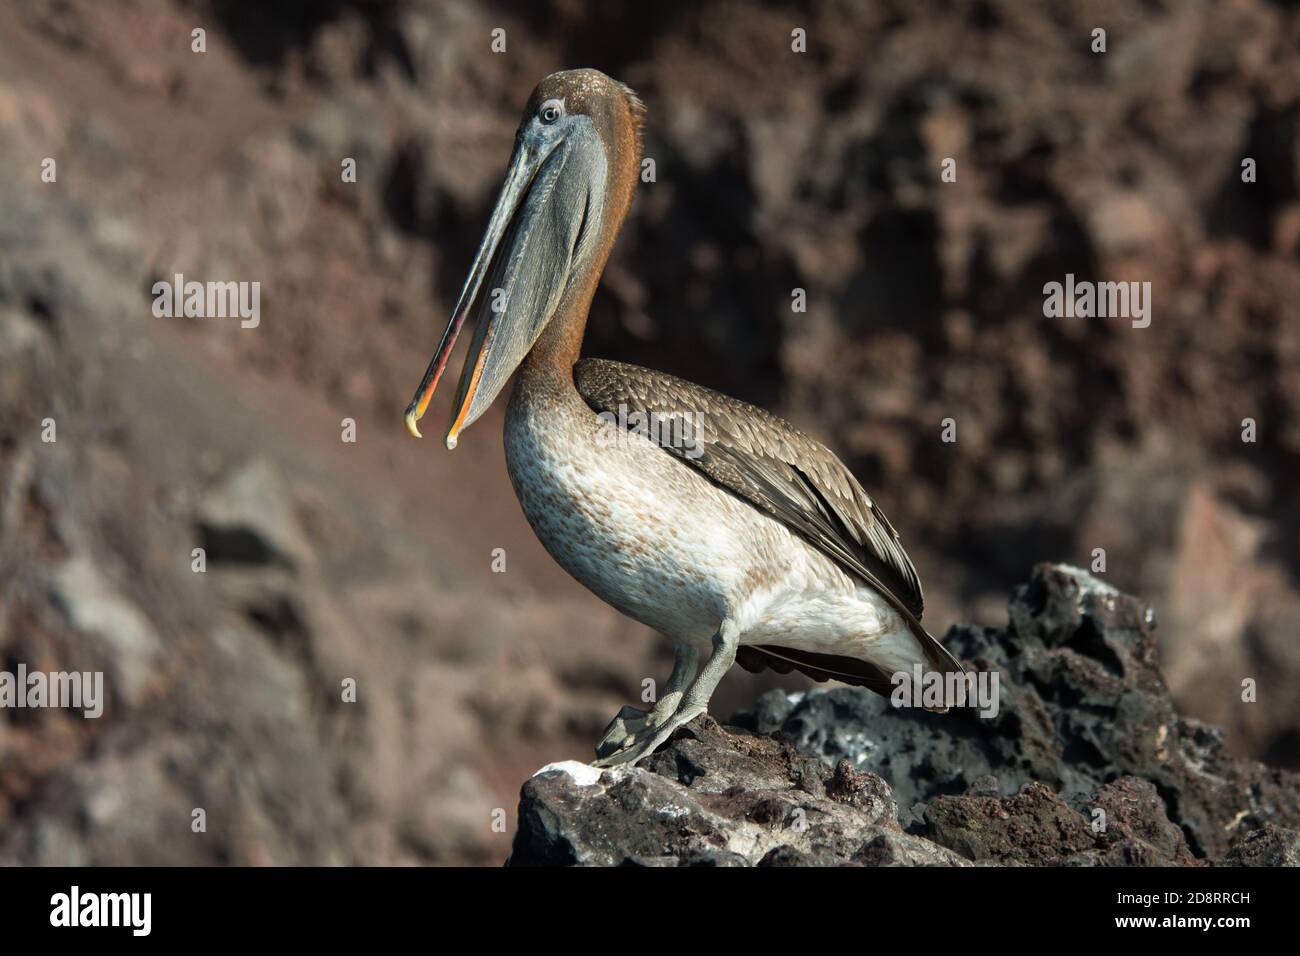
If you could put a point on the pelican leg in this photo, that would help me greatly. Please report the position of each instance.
(692, 702)
(623, 729)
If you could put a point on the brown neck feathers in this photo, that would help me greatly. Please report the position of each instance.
(619, 124)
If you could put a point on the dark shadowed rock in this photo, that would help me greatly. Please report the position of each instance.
(715, 797)
(1270, 845)
(249, 520)
(1085, 763)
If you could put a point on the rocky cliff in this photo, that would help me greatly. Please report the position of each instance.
(1086, 763)
(373, 561)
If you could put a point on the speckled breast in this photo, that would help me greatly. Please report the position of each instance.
(639, 529)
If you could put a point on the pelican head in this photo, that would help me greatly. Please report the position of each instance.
(565, 192)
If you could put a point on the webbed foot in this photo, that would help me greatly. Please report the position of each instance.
(642, 744)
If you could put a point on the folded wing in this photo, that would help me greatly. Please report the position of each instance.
(770, 464)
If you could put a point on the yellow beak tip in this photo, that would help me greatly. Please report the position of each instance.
(412, 417)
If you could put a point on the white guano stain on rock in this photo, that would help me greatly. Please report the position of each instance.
(584, 775)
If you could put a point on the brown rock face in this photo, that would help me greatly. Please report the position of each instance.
(775, 171)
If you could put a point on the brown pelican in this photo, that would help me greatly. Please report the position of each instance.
(739, 538)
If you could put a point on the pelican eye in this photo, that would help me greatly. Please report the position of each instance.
(551, 110)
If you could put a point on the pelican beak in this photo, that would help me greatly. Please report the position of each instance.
(545, 219)
(523, 169)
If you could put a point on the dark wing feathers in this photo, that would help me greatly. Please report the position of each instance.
(773, 466)
(820, 667)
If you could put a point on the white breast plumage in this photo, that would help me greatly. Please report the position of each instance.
(667, 547)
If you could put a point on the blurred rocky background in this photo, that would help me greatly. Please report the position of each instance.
(373, 560)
